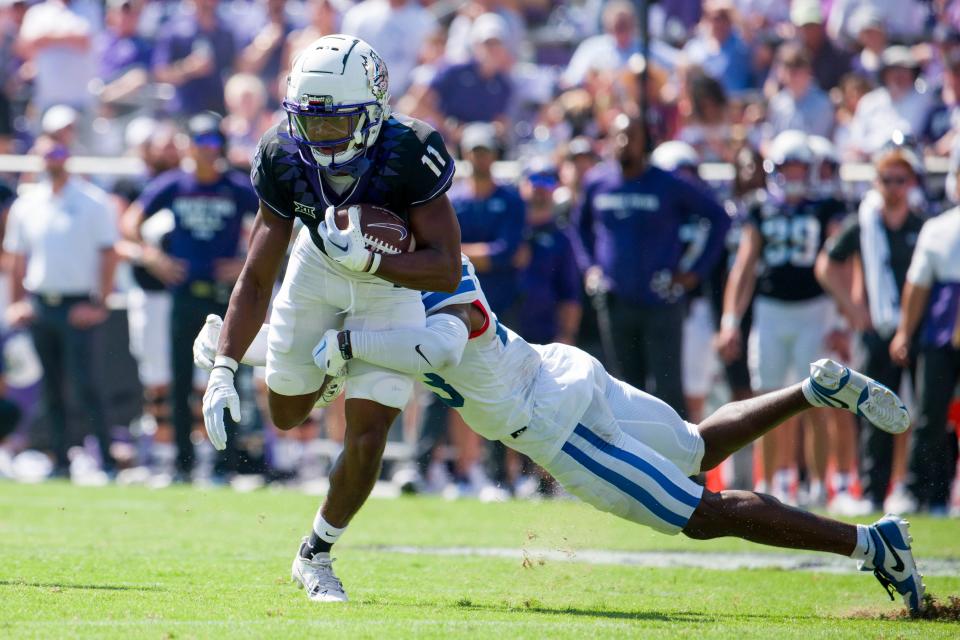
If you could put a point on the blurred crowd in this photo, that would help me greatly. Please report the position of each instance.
(607, 226)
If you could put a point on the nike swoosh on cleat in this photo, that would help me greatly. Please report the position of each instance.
(417, 349)
(898, 566)
(829, 400)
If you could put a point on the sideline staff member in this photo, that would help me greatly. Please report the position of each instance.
(208, 201)
(60, 237)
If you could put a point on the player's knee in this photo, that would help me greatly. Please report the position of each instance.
(287, 412)
(706, 522)
(711, 457)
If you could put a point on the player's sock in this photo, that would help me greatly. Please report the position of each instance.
(322, 538)
(864, 550)
(842, 482)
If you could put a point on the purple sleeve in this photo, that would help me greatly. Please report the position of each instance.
(439, 81)
(581, 233)
(567, 274)
(697, 200)
(156, 195)
(509, 235)
(162, 51)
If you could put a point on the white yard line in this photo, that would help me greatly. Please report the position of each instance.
(729, 561)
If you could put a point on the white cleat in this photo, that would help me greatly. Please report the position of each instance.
(846, 505)
(893, 563)
(833, 385)
(317, 577)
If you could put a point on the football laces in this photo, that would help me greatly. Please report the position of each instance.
(379, 245)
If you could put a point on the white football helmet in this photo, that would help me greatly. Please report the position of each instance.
(338, 96)
(673, 155)
(789, 147)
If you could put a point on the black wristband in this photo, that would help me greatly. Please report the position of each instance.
(343, 341)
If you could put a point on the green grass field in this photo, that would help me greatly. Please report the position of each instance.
(183, 563)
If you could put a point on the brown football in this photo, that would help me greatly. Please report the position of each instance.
(383, 230)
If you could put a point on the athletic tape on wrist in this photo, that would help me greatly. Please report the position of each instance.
(226, 362)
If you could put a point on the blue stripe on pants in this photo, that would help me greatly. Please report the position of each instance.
(632, 489)
(638, 463)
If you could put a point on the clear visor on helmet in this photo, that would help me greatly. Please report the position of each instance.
(326, 130)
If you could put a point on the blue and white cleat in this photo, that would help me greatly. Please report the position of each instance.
(834, 385)
(893, 563)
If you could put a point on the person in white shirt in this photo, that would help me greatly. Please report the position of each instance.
(801, 104)
(395, 28)
(458, 45)
(611, 50)
(903, 19)
(60, 240)
(58, 42)
(930, 330)
(896, 106)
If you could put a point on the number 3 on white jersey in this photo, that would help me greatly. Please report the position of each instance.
(430, 163)
(454, 399)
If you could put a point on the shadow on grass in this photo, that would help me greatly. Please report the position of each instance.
(691, 617)
(535, 606)
(69, 585)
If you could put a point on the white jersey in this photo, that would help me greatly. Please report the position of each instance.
(616, 448)
(492, 387)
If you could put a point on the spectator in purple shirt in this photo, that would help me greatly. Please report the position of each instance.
(195, 52)
(830, 63)
(124, 56)
(263, 56)
(492, 217)
(719, 49)
(550, 281)
(478, 90)
(629, 221)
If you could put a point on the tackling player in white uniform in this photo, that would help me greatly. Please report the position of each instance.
(617, 448)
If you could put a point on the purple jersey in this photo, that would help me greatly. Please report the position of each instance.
(208, 217)
(181, 37)
(550, 279)
(406, 167)
(466, 95)
(632, 229)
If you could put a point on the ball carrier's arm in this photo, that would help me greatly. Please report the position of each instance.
(251, 296)
(435, 265)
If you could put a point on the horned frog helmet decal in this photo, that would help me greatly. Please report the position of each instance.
(376, 74)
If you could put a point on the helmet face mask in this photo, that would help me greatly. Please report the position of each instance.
(337, 100)
(827, 179)
(789, 165)
(793, 177)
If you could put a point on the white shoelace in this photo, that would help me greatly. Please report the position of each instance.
(323, 578)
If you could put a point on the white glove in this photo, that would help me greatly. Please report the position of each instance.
(346, 246)
(220, 395)
(205, 345)
(327, 356)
